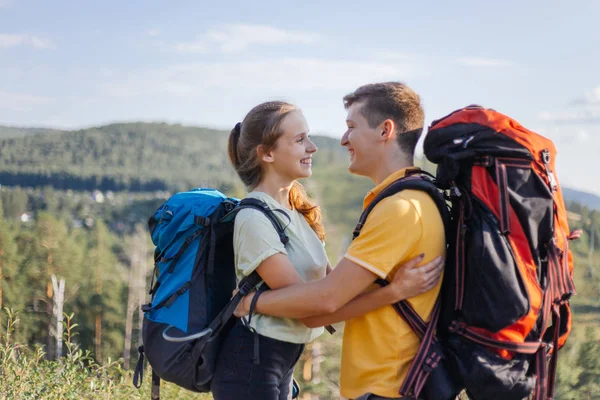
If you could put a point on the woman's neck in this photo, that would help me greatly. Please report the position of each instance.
(280, 191)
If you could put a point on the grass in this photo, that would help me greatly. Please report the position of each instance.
(26, 373)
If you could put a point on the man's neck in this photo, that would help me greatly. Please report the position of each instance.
(389, 165)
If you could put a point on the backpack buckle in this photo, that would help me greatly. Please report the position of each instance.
(455, 192)
(457, 327)
(432, 361)
(146, 307)
(202, 221)
(228, 205)
(546, 156)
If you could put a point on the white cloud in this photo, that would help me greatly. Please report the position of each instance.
(20, 101)
(8, 41)
(575, 116)
(395, 56)
(591, 97)
(236, 38)
(484, 62)
(577, 148)
(583, 136)
(152, 32)
(192, 47)
(274, 76)
(583, 110)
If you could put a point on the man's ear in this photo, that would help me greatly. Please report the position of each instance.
(266, 156)
(388, 129)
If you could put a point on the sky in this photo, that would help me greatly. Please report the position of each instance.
(76, 64)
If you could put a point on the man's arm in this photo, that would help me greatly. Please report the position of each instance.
(361, 305)
(324, 296)
(408, 282)
(328, 269)
(344, 283)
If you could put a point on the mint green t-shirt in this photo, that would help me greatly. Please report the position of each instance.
(255, 239)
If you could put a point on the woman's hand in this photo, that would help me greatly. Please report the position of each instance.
(410, 280)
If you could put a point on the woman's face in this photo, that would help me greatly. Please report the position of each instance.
(291, 157)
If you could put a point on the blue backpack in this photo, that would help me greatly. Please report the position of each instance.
(194, 276)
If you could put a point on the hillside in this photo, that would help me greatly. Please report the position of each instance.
(146, 157)
(586, 199)
(132, 156)
(13, 131)
(150, 157)
(142, 157)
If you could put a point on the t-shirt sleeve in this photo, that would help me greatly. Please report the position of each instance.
(254, 240)
(388, 238)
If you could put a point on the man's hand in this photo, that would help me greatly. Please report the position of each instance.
(410, 280)
(243, 307)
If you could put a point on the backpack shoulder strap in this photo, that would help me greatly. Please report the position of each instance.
(416, 181)
(260, 205)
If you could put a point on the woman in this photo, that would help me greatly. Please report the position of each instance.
(270, 150)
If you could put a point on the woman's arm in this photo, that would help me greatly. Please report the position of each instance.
(277, 271)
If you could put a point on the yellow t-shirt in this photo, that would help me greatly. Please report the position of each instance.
(379, 346)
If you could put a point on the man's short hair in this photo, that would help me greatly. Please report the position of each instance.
(395, 101)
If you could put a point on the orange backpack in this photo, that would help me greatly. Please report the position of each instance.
(509, 275)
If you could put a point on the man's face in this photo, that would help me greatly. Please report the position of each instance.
(361, 141)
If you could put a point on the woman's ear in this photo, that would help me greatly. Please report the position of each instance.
(264, 155)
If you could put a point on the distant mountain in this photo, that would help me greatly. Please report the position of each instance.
(15, 132)
(587, 199)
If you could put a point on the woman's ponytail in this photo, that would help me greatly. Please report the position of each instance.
(232, 145)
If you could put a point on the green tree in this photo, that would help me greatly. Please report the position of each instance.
(8, 261)
(588, 382)
(15, 203)
(101, 303)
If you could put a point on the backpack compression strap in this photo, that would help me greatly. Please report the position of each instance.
(429, 355)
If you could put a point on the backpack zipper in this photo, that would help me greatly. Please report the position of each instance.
(545, 154)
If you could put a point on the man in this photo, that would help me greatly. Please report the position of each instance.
(385, 121)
